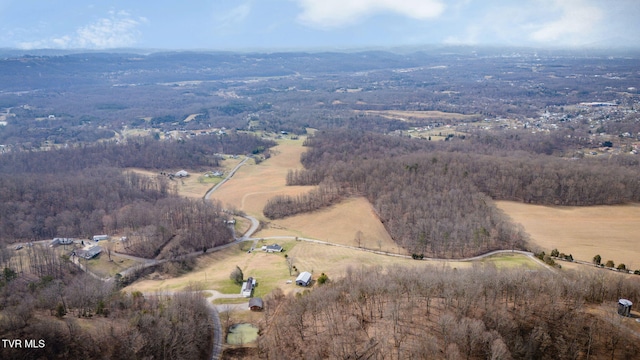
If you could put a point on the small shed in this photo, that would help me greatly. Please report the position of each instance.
(624, 307)
(304, 279)
(256, 304)
(60, 241)
(182, 173)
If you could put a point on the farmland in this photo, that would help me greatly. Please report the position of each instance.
(610, 231)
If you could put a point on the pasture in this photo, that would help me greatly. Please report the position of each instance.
(610, 231)
(270, 270)
(337, 224)
(253, 185)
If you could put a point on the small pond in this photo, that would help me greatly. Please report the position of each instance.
(241, 334)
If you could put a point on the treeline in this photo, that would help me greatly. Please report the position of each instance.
(78, 204)
(82, 317)
(519, 175)
(143, 153)
(327, 193)
(434, 313)
(436, 198)
(171, 227)
(105, 200)
(82, 191)
(428, 205)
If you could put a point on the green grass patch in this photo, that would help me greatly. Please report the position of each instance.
(103, 267)
(228, 287)
(209, 180)
(245, 245)
(269, 279)
(222, 301)
(503, 261)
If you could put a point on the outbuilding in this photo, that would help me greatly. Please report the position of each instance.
(256, 304)
(624, 307)
(273, 248)
(304, 279)
(90, 253)
(100, 237)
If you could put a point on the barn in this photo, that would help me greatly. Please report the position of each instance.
(256, 304)
(304, 279)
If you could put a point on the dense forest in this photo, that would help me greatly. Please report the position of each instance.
(435, 198)
(82, 191)
(435, 313)
(201, 152)
(77, 316)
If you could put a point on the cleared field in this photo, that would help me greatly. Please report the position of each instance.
(195, 185)
(270, 270)
(337, 224)
(253, 185)
(101, 265)
(610, 231)
(403, 115)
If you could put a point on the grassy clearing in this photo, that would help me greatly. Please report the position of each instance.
(101, 265)
(245, 193)
(509, 261)
(223, 301)
(610, 231)
(404, 115)
(345, 219)
(271, 271)
(242, 225)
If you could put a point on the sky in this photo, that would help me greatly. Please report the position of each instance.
(316, 24)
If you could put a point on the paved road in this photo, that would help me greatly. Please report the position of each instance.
(229, 175)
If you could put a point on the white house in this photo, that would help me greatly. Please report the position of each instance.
(247, 287)
(272, 248)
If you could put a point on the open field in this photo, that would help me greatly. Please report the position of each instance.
(611, 231)
(101, 265)
(403, 115)
(345, 219)
(253, 185)
(270, 270)
(196, 184)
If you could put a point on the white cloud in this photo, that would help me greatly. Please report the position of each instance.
(119, 29)
(233, 17)
(339, 13)
(577, 20)
(532, 22)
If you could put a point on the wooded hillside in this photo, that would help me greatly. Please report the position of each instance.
(435, 313)
(435, 198)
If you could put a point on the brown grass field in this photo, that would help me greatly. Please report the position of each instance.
(402, 115)
(338, 224)
(195, 185)
(270, 270)
(253, 185)
(610, 231)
